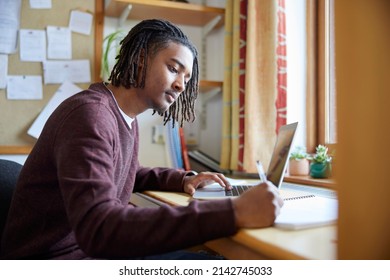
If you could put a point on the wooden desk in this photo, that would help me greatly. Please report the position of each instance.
(268, 243)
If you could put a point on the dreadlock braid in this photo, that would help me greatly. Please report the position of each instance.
(147, 38)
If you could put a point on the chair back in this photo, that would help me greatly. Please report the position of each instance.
(9, 174)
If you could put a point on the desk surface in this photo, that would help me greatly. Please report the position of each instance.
(268, 243)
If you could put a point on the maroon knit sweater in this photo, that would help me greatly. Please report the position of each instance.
(71, 201)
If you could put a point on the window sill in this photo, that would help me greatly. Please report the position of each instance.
(307, 180)
(302, 180)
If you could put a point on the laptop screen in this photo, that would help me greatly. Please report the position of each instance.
(281, 153)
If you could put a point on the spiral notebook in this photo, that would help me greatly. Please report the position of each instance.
(307, 207)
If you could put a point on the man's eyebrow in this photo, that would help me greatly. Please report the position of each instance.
(181, 65)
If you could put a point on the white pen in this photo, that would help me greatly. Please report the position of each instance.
(261, 172)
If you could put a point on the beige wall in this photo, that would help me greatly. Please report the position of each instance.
(363, 154)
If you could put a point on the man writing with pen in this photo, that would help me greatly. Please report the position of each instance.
(71, 201)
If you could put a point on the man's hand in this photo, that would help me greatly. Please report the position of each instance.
(258, 207)
(191, 183)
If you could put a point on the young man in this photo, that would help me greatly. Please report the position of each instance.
(71, 201)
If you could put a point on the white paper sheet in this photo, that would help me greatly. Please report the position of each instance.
(24, 87)
(59, 42)
(32, 45)
(3, 70)
(80, 22)
(40, 4)
(66, 90)
(9, 25)
(76, 71)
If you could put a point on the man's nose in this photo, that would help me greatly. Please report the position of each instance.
(179, 84)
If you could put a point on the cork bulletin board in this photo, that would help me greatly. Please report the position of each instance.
(16, 116)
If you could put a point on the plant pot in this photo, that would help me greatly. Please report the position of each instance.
(298, 167)
(320, 170)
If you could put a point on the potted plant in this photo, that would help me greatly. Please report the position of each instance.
(298, 162)
(321, 163)
(110, 51)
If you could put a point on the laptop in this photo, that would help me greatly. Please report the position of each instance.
(275, 172)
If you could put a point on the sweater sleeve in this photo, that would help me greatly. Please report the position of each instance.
(103, 226)
(165, 179)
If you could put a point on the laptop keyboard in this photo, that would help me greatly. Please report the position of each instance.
(237, 190)
(289, 191)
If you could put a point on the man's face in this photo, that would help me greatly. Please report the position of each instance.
(168, 72)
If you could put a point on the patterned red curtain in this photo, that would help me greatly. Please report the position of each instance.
(254, 93)
(281, 51)
(241, 135)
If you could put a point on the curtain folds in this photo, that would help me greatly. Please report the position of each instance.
(250, 92)
(229, 155)
(281, 52)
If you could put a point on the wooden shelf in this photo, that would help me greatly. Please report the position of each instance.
(179, 13)
(15, 150)
(205, 85)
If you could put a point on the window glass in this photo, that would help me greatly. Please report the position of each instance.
(311, 85)
(330, 89)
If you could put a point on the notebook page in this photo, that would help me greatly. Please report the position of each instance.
(307, 212)
(287, 194)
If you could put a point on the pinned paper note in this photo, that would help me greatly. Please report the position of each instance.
(24, 87)
(40, 4)
(32, 45)
(9, 25)
(76, 71)
(66, 90)
(59, 43)
(80, 22)
(3, 70)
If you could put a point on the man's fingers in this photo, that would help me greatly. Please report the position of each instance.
(190, 189)
(206, 178)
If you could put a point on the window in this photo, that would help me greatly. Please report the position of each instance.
(296, 67)
(311, 94)
(327, 123)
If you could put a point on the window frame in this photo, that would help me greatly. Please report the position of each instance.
(320, 73)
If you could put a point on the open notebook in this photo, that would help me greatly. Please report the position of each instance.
(306, 207)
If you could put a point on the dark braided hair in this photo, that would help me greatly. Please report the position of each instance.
(147, 38)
